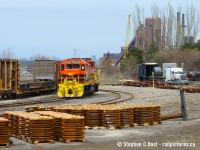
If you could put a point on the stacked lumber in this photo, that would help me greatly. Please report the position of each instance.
(110, 117)
(4, 132)
(67, 127)
(143, 115)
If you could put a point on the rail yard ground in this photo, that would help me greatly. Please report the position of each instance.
(137, 137)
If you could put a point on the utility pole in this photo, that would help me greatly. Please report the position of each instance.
(74, 53)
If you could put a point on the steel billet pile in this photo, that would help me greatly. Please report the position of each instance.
(4, 132)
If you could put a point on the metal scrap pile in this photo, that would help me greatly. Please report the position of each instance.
(192, 89)
(148, 84)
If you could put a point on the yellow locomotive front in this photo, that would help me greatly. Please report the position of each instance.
(77, 78)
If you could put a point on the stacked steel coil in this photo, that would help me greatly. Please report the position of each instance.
(143, 115)
(110, 117)
(4, 132)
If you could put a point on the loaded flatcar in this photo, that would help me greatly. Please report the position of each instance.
(77, 77)
(45, 78)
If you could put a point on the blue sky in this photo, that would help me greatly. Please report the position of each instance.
(55, 28)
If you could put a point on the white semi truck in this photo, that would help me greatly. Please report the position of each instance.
(176, 76)
(169, 73)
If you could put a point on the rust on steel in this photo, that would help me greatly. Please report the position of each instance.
(171, 116)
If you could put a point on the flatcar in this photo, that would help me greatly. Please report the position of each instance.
(77, 77)
(45, 73)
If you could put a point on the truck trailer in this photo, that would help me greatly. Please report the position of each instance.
(169, 73)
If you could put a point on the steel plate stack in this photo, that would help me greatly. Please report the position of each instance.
(22, 125)
(126, 116)
(110, 117)
(39, 128)
(57, 120)
(73, 128)
(143, 115)
(4, 132)
(31, 108)
(10, 116)
(93, 117)
(156, 114)
(78, 110)
(45, 108)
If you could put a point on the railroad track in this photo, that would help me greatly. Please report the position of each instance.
(118, 99)
(121, 97)
(24, 103)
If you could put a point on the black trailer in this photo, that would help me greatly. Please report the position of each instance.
(145, 71)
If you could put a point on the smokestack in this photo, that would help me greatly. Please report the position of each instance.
(183, 21)
(183, 29)
(178, 17)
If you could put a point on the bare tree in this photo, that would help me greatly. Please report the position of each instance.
(192, 19)
(7, 54)
(39, 57)
(169, 27)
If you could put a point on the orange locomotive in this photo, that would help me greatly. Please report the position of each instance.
(77, 77)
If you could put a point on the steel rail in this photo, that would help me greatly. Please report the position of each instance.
(115, 100)
(118, 99)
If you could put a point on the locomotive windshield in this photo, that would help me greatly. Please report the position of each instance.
(73, 66)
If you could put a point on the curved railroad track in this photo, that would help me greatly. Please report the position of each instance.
(118, 99)
(29, 102)
(121, 97)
